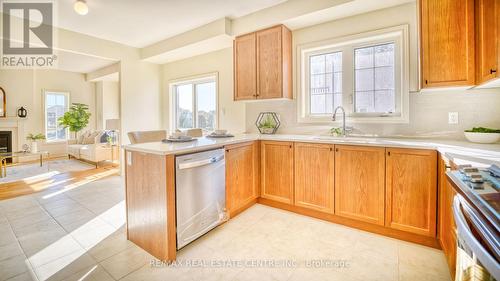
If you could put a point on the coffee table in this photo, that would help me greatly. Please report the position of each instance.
(19, 154)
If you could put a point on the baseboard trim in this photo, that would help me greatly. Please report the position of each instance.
(393, 233)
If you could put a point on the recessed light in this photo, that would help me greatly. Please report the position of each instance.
(81, 7)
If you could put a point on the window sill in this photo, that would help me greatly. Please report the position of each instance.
(354, 120)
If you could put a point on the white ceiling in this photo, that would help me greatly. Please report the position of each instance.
(74, 62)
(141, 23)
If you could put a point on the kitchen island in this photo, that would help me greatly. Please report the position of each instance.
(271, 169)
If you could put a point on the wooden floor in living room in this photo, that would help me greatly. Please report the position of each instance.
(56, 183)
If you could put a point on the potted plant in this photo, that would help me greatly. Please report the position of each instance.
(76, 118)
(268, 125)
(482, 135)
(34, 141)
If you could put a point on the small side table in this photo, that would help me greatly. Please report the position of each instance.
(19, 154)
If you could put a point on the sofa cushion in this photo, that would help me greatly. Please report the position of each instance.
(90, 139)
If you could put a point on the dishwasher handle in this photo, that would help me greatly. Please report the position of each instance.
(199, 163)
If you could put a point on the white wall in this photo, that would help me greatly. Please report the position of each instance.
(107, 102)
(428, 111)
(231, 113)
(25, 88)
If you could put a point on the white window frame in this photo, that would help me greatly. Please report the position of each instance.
(347, 44)
(198, 79)
(44, 104)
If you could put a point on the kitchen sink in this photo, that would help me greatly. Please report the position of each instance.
(346, 139)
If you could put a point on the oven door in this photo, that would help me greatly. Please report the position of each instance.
(478, 244)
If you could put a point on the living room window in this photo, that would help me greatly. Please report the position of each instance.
(55, 104)
(195, 103)
(365, 73)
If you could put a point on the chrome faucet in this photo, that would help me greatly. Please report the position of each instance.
(343, 119)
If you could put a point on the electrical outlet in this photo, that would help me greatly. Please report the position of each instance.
(452, 117)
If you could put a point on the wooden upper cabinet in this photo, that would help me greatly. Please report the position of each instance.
(487, 37)
(447, 43)
(411, 190)
(245, 67)
(242, 176)
(360, 183)
(314, 176)
(263, 59)
(277, 171)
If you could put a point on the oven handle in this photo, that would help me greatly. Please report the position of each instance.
(466, 235)
(199, 163)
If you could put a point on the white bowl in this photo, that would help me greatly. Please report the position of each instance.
(220, 132)
(482, 137)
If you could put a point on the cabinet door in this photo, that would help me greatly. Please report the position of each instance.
(269, 63)
(487, 39)
(277, 171)
(359, 183)
(242, 171)
(314, 176)
(411, 190)
(447, 42)
(447, 228)
(245, 67)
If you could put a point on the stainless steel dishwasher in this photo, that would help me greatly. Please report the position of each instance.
(200, 194)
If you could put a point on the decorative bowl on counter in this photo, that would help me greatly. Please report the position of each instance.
(482, 137)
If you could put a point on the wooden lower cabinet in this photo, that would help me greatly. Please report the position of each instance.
(314, 176)
(277, 171)
(447, 228)
(359, 183)
(242, 176)
(411, 190)
(150, 203)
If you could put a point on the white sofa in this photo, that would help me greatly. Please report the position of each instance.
(94, 152)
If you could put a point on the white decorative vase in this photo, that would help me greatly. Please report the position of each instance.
(34, 147)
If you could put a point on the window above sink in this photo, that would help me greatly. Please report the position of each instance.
(365, 73)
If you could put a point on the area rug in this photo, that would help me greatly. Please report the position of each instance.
(25, 171)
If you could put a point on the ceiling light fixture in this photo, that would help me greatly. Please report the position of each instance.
(81, 7)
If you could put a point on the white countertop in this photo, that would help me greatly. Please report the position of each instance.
(460, 152)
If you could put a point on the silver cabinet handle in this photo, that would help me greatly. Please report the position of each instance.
(200, 163)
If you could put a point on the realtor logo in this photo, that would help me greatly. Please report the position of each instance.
(28, 34)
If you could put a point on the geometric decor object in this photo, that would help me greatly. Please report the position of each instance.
(268, 122)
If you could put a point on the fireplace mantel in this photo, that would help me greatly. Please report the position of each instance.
(16, 126)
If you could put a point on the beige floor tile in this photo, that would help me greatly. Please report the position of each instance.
(60, 248)
(27, 276)
(126, 262)
(93, 273)
(13, 266)
(37, 227)
(6, 234)
(74, 220)
(10, 250)
(149, 273)
(319, 274)
(64, 267)
(110, 246)
(35, 242)
(411, 272)
(29, 220)
(92, 232)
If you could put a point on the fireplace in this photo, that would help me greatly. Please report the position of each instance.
(6, 142)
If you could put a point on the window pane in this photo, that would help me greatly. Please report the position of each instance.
(364, 57)
(365, 101)
(384, 78)
(317, 64)
(384, 55)
(206, 104)
(364, 79)
(325, 79)
(375, 78)
(185, 106)
(55, 107)
(318, 104)
(384, 101)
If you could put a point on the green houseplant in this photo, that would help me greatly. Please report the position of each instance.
(267, 125)
(76, 118)
(34, 141)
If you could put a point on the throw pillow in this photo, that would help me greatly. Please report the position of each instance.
(90, 139)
